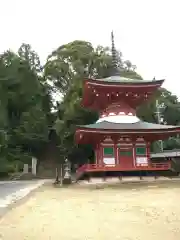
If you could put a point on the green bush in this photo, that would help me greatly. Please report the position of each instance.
(9, 167)
(3, 168)
(4, 175)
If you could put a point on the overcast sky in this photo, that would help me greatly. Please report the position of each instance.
(146, 31)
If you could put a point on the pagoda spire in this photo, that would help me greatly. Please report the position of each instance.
(114, 71)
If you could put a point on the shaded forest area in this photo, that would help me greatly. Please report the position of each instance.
(40, 105)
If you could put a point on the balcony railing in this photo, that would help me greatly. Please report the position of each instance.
(119, 167)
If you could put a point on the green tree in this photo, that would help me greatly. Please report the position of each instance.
(66, 68)
(26, 104)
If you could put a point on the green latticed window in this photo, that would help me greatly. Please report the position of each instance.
(109, 151)
(140, 151)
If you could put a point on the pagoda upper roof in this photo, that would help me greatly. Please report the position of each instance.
(114, 80)
(134, 92)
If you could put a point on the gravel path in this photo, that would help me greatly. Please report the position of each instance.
(9, 187)
(130, 212)
(12, 191)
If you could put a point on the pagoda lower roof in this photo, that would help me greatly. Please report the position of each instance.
(139, 126)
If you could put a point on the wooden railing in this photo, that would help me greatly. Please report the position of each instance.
(118, 167)
(161, 165)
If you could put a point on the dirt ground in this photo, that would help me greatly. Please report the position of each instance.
(126, 211)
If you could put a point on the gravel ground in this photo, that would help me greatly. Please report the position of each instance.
(126, 211)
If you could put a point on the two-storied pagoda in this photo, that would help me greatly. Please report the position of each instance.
(121, 140)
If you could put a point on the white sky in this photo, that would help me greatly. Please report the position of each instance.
(146, 31)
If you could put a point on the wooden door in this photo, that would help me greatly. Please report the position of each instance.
(126, 159)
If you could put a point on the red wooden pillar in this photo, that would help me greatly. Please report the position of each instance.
(100, 154)
(134, 153)
(134, 150)
(115, 153)
(115, 141)
(148, 155)
(97, 154)
(100, 151)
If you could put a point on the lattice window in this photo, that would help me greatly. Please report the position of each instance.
(109, 151)
(140, 150)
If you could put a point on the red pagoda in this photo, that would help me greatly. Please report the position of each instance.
(121, 140)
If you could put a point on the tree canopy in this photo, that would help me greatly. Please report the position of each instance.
(29, 113)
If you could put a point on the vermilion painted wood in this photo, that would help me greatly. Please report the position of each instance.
(118, 167)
